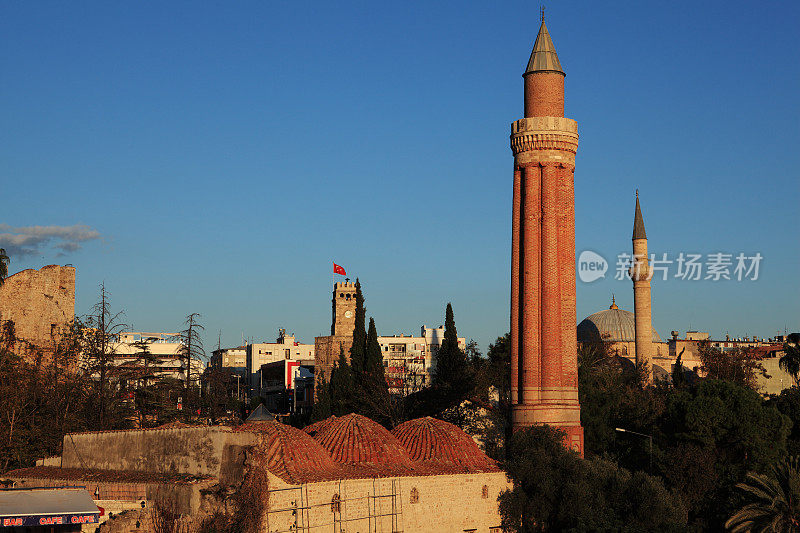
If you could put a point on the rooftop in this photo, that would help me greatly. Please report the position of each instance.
(346, 447)
(543, 57)
(442, 447)
(364, 447)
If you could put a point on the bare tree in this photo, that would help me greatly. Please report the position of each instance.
(192, 344)
(103, 328)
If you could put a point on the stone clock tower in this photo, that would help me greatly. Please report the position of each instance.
(344, 308)
(343, 322)
(544, 364)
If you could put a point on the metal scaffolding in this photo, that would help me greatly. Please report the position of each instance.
(378, 506)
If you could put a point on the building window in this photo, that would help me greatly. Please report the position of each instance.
(414, 495)
(336, 504)
(485, 492)
(497, 529)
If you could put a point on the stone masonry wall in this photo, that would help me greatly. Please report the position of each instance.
(199, 451)
(40, 302)
(417, 504)
(326, 353)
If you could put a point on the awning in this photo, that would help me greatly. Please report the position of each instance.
(46, 507)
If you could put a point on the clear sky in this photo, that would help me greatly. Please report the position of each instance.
(215, 157)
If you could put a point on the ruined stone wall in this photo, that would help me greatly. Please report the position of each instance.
(326, 353)
(198, 451)
(40, 303)
(445, 503)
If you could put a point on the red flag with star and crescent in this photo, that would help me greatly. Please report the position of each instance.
(338, 270)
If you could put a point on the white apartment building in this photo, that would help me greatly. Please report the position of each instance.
(166, 359)
(411, 361)
(230, 358)
(285, 348)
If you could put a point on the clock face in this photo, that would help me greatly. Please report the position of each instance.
(348, 314)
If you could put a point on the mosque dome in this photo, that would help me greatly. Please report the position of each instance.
(442, 447)
(358, 443)
(612, 325)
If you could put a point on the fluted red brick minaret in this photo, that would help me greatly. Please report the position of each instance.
(544, 363)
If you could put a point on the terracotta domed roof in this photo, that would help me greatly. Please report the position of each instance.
(442, 447)
(313, 429)
(291, 454)
(364, 447)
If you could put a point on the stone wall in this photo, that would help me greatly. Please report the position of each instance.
(117, 496)
(444, 503)
(40, 303)
(326, 353)
(197, 451)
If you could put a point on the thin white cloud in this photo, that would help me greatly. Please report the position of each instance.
(34, 240)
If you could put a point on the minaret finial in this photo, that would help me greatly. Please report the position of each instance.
(638, 221)
(613, 302)
(541, 11)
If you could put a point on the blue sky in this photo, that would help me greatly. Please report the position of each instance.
(225, 154)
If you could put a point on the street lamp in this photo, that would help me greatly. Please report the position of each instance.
(649, 437)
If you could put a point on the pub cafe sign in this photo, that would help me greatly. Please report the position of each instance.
(53, 520)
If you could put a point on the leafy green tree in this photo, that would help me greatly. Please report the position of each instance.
(788, 403)
(732, 428)
(342, 388)
(738, 365)
(145, 361)
(678, 375)
(554, 490)
(790, 360)
(322, 403)
(772, 502)
(612, 395)
(4, 259)
(358, 351)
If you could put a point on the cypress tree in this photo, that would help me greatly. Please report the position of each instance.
(341, 391)
(451, 363)
(374, 357)
(322, 403)
(359, 348)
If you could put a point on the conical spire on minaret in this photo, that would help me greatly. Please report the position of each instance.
(638, 221)
(543, 57)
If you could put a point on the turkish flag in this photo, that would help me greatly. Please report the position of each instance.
(338, 270)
